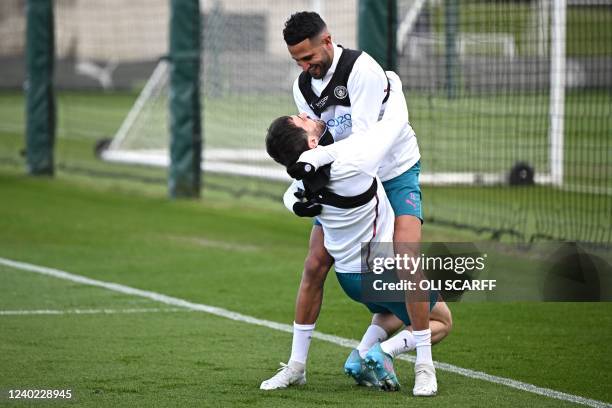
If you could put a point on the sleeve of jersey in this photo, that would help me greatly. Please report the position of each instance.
(300, 102)
(289, 198)
(320, 156)
(366, 150)
(367, 84)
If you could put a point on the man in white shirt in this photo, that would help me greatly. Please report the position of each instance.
(347, 89)
(353, 209)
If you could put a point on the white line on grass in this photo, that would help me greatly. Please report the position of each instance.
(217, 311)
(86, 311)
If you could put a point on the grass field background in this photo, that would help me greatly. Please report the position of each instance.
(246, 258)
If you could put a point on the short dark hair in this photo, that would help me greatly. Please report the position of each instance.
(285, 141)
(303, 25)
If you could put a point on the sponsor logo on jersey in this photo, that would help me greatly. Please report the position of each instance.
(321, 103)
(340, 92)
(340, 124)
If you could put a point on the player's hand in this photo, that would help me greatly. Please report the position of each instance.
(307, 209)
(300, 170)
(300, 194)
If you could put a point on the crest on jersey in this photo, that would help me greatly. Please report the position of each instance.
(340, 92)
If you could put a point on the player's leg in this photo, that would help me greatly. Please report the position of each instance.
(425, 381)
(389, 322)
(307, 308)
(405, 196)
(316, 266)
(440, 322)
(382, 321)
(408, 229)
(407, 236)
(309, 297)
(382, 326)
(380, 357)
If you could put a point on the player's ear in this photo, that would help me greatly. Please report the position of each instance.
(313, 141)
(326, 38)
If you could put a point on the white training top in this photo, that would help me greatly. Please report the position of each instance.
(366, 88)
(355, 162)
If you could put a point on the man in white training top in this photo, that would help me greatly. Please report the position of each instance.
(352, 208)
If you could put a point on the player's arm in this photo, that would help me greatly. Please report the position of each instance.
(367, 87)
(297, 205)
(289, 198)
(367, 148)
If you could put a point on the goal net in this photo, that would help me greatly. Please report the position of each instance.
(499, 92)
(495, 72)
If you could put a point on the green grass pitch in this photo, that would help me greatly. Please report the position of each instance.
(245, 257)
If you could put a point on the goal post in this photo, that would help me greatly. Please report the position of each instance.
(152, 89)
(490, 66)
(557, 89)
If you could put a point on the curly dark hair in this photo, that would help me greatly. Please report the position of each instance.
(303, 25)
(285, 141)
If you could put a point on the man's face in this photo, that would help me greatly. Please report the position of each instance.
(314, 128)
(314, 56)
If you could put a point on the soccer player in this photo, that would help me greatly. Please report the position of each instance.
(347, 89)
(352, 208)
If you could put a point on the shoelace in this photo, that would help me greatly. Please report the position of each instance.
(284, 371)
(423, 371)
(277, 378)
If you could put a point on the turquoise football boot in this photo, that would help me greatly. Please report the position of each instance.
(382, 364)
(355, 367)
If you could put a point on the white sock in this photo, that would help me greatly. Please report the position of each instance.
(373, 335)
(400, 343)
(302, 334)
(423, 346)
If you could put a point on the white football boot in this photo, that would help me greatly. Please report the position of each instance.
(284, 377)
(425, 383)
